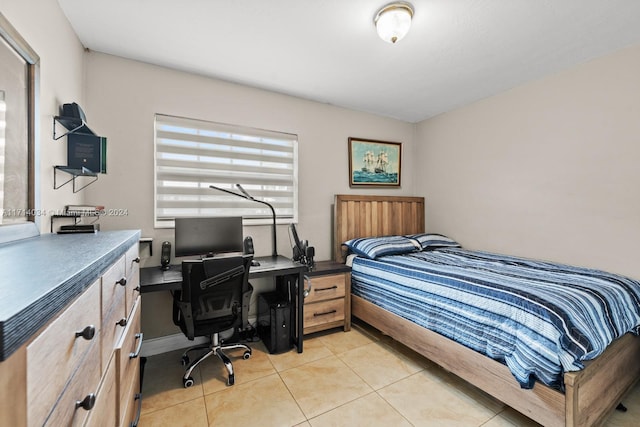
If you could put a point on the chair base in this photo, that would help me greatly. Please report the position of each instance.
(215, 348)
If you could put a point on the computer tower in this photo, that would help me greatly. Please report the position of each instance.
(274, 322)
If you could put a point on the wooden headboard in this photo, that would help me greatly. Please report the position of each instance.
(370, 216)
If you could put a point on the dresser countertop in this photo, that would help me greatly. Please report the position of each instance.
(40, 275)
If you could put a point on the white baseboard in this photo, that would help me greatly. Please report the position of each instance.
(167, 343)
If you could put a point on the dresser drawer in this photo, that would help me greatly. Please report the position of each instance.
(114, 282)
(132, 259)
(130, 404)
(325, 288)
(113, 326)
(54, 356)
(128, 356)
(13, 389)
(113, 308)
(132, 290)
(83, 385)
(132, 272)
(104, 411)
(323, 312)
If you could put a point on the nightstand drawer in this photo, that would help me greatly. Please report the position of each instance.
(326, 287)
(323, 312)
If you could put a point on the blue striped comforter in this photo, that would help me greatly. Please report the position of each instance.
(541, 319)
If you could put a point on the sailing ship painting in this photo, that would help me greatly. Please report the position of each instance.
(374, 162)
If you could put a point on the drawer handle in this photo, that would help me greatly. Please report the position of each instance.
(139, 336)
(137, 397)
(122, 322)
(137, 289)
(137, 260)
(87, 333)
(87, 403)
(325, 313)
(122, 282)
(327, 289)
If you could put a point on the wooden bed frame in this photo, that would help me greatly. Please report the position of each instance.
(590, 394)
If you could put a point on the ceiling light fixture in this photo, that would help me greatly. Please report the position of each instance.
(393, 21)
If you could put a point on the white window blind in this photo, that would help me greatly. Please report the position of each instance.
(191, 155)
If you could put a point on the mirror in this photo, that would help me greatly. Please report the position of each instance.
(18, 96)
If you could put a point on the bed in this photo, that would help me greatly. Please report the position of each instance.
(587, 396)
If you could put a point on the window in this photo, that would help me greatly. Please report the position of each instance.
(191, 155)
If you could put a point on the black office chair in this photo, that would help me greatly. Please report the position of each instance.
(211, 302)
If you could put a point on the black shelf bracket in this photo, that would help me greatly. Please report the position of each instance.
(75, 173)
(72, 125)
(148, 241)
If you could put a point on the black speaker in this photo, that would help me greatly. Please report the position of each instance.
(248, 245)
(274, 322)
(310, 253)
(165, 255)
(73, 110)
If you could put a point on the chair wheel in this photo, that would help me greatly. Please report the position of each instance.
(185, 360)
(188, 382)
(231, 380)
(246, 355)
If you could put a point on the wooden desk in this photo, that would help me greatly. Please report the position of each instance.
(284, 272)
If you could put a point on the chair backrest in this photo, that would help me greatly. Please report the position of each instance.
(210, 300)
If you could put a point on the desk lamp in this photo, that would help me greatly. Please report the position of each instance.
(247, 196)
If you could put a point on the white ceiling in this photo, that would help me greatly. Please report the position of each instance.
(457, 51)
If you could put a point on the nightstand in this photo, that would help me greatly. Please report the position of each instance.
(328, 304)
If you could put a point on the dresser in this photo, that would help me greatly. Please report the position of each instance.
(327, 303)
(71, 339)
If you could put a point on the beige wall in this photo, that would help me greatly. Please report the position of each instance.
(546, 170)
(43, 25)
(124, 95)
(120, 98)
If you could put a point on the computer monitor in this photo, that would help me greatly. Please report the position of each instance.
(208, 236)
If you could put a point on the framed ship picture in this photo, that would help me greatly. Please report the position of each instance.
(374, 163)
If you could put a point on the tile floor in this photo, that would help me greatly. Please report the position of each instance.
(355, 378)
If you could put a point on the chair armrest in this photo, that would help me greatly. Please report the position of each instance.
(222, 277)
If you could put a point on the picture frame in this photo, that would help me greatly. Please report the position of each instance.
(374, 163)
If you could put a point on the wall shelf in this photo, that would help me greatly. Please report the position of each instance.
(75, 173)
(76, 218)
(72, 124)
(84, 148)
